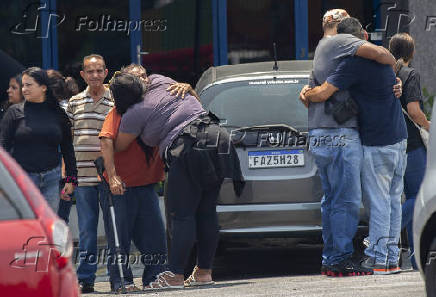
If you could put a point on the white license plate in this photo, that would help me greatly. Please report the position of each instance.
(275, 159)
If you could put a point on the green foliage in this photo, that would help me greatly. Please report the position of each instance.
(428, 102)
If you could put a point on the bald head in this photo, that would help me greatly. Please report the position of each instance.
(93, 58)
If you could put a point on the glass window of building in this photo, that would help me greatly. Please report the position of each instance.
(92, 27)
(177, 37)
(253, 26)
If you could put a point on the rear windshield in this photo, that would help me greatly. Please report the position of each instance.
(13, 205)
(258, 102)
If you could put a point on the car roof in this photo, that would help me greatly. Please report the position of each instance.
(214, 74)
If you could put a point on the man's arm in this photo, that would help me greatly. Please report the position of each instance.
(345, 75)
(107, 150)
(321, 93)
(376, 53)
(415, 112)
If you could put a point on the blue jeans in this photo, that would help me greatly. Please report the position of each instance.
(87, 204)
(138, 218)
(415, 171)
(48, 183)
(382, 186)
(338, 156)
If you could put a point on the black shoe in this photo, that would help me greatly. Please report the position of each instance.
(348, 268)
(86, 288)
(324, 269)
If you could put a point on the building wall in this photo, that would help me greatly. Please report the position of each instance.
(425, 56)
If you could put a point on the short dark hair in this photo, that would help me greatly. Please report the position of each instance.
(89, 57)
(402, 46)
(351, 26)
(127, 90)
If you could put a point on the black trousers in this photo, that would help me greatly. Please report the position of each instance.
(192, 192)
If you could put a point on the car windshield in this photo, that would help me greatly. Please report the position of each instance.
(257, 102)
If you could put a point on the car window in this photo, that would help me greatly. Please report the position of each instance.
(258, 102)
(13, 205)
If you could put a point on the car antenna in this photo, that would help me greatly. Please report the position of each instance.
(275, 67)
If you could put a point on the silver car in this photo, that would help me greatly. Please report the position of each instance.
(424, 219)
(260, 108)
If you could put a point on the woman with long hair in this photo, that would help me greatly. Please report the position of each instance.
(36, 132)
(402, 46)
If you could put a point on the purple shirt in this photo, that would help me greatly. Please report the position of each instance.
(160, 117)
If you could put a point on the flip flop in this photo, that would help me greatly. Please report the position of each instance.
(192, 282)
(161, 283)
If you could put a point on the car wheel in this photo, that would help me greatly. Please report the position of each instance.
(430, 270)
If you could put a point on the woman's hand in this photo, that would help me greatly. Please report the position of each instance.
(67, 191)
(180, 89)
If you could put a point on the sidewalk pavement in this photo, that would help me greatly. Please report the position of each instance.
(405, 284)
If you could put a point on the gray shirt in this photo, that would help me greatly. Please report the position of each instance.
(328, 54)
(160, 117)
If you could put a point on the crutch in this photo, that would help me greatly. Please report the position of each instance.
(99, 165)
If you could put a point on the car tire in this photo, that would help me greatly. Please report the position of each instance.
(430, 270)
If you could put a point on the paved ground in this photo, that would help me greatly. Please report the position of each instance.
(405, 284)
(276, 270)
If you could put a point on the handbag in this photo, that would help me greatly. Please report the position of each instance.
(341, 111)
(422, 132)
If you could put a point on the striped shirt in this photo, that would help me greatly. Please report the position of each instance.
(87, 118)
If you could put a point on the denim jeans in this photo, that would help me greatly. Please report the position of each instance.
(415, 171)
(138, 218)
(87, 205)
(48, 183)
(382, 185)
(338, 156)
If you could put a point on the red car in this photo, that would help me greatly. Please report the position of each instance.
(35, 245)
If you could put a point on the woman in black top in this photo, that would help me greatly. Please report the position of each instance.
(14, 94)
(36, 131)
(402, 46)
